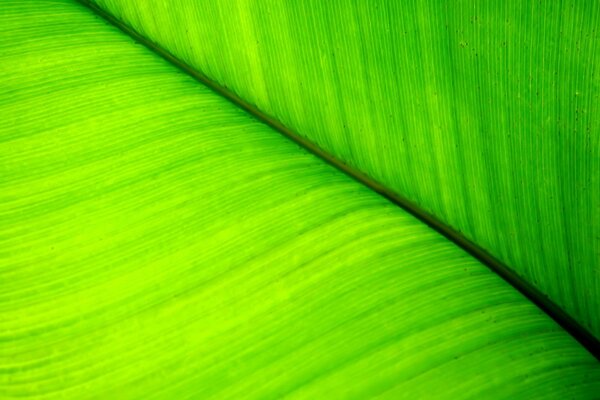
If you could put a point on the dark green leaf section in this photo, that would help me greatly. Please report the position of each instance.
(483, 113)
(157, 242)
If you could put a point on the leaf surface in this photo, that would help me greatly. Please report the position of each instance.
(158, 242)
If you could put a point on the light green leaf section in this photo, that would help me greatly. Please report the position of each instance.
(485, 113)
(157, 242)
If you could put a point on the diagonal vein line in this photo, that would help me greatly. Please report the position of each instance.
(574, 328)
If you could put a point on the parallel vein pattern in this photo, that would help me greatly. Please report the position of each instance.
(484, 113)
(157, 242)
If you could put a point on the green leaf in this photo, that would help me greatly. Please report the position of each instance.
(158, 242)
(483, 113)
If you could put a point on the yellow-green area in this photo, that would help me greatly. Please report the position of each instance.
(485, 113)
(156, 242)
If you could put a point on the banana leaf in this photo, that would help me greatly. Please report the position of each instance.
(156, 241)
(483, 114)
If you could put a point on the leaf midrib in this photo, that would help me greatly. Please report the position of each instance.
(574, 328)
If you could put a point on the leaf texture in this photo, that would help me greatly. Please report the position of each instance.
(158, 242)
(483, 113)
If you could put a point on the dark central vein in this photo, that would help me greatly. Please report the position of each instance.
(574, 328)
